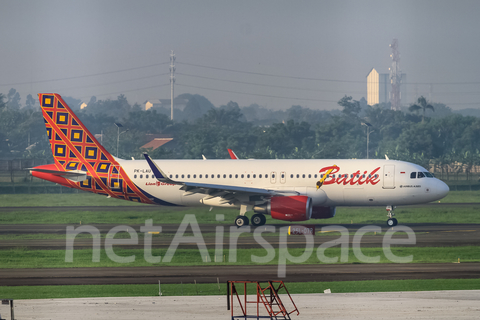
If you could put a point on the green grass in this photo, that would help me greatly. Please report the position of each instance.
(190, 289)
(21, 257)
(62, 200)
(166, 215)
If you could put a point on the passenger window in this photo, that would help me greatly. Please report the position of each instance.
(254, 176)
(171, 176)
(141, 176)
(176, 176)
(242, 176)
(413, 175)
(315, 176)
(194, 176)
(236, 176)
(224, 176)
(421, 175)
(183, 176)
(146, 176)
(230, 176)
(283, 175)
(206, 176)
(309, 175)
(260, 175)
(266, 176)
(218, 176)
(200, 176)
(248, 176)
(303, 176)
(291, 176)
(273, 176)
(298, 176)
(135, 176)
(188, 176)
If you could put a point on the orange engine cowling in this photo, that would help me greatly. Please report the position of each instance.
(323, 212)
(295, 208)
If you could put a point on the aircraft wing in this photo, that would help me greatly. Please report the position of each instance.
(227, 192)
(74, 175)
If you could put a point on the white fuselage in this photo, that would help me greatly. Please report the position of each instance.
(351, 183)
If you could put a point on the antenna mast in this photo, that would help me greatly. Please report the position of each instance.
(395, 76)
(172, 81)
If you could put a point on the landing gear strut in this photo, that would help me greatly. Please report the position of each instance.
(391, 222)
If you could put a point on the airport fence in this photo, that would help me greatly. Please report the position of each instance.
(15, 178)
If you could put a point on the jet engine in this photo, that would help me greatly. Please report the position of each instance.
(323, 212)
(294, 208)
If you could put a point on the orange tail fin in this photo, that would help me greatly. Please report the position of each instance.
(77, 152)
(73, 146)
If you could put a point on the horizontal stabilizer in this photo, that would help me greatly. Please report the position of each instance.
(73, 175)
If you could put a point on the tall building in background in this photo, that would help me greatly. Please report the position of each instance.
(373, 95)
(378, 87)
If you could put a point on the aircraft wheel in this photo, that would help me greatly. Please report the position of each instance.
(258, 219)
(241, 221)
(392, 222)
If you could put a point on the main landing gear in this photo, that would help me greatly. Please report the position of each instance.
(257, 220)
(391, 222)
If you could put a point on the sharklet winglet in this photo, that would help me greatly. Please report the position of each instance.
(159, 174)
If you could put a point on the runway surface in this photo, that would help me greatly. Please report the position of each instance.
(209, 274)
(426, 235)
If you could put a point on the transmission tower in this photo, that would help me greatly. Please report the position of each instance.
(172, 81)
(395, 76)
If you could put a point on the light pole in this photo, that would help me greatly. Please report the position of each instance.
(368, 125)
(119, 125)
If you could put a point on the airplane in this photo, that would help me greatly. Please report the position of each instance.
(288, 190)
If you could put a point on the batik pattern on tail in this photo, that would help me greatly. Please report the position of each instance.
(75, 148)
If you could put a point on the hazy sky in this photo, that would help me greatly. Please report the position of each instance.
(308, 53)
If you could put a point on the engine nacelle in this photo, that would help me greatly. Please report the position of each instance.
(294, 208)
(323, 212)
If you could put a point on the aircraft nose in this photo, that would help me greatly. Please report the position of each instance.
(441, 189)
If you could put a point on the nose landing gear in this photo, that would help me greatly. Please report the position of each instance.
(391, 222)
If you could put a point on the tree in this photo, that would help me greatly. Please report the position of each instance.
(350, 107)
(2, 103)
(30, 102)
(422, 105)
(13, 101)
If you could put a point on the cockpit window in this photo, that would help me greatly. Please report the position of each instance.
(429, 175)
(421, 175)
(413, 175)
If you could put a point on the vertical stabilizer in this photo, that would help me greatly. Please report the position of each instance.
(77, 153)
(73, 146)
